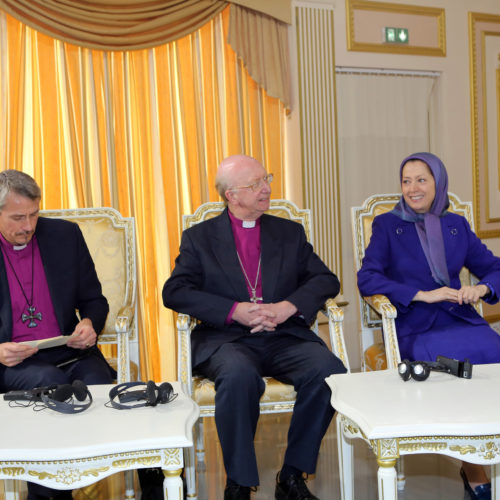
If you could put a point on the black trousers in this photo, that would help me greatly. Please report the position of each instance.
(237, 369)
(40, 370)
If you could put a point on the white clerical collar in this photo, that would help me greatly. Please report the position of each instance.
(20, 247)
(248, 223)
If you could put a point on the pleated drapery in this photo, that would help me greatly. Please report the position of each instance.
(141, 131)
(262, 43)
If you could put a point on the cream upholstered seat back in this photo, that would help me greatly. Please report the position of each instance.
(377, 313)
(111, 242)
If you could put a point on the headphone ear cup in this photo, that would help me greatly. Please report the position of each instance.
(420, 371)
(151, 397)
(61, 393)
(404, 369)
(164, 392)
(79, 390)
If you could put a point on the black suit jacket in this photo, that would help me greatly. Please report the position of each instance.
(71, 278)
(207, 280)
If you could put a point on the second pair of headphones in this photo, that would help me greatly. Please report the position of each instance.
(420, 370)
(67, 398)
(150, 394)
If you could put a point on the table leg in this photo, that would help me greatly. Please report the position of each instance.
(345, 452)
(172, 485)
(387, 479)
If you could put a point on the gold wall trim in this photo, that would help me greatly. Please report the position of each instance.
(414, 10)
(498, 125)
(481, 26)
(318, 129)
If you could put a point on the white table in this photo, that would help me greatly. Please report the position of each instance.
(444, 414)
(71, 451)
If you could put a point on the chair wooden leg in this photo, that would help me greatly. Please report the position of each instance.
(190, 473)
(129, 485)
(200, 446)
(400, 471)
(346, 456)
(495, 481)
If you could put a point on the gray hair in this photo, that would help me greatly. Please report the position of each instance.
(19, 183)
(222, 185)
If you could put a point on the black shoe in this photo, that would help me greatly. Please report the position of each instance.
(481, 492)
(237, 492)
(292, 488)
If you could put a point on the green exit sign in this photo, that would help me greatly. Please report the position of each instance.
(396, 35)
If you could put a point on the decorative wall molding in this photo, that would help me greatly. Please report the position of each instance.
(367, 20)
(484, 46)
(318, 127)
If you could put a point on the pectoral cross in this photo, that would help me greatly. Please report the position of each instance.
(31, 316)
(254, 298)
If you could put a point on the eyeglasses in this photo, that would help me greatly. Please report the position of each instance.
(267, 179)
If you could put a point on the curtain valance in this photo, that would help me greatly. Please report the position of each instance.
(127, 24)
(258, 29)
(114, 24)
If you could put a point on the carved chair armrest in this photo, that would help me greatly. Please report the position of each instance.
(335, 317)
(388, 312)
(382, 305)
(185, 325)
(124, 318)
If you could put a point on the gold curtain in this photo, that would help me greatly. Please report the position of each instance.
(142, 131)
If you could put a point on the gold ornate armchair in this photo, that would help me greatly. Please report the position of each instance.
(278, 397)
(111, 242)
(377, 313)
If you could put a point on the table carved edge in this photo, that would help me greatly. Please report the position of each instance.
(482, 449)
(76, 473)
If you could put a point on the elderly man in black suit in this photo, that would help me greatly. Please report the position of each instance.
(255, 284)
(46, 276)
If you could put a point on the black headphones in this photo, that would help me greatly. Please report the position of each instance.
(420, 370)
(152, 395)
(61, 398)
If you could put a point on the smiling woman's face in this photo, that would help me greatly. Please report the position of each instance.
(418, 186)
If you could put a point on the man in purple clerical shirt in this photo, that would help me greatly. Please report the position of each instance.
(255, 285)
(46, 276)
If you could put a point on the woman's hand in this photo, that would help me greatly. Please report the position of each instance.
(437, 295)
(466, 294)
(472, 294)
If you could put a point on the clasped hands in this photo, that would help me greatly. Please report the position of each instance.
(263, 317)
(465, 295)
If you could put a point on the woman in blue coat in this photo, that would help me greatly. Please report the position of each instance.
(414, 257)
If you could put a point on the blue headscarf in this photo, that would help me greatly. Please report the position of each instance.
(428, 225)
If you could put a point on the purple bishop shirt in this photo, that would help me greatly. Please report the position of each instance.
(21, 259)
(247, 241)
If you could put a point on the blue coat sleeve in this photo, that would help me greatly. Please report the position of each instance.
(377, 274)
(481, 262)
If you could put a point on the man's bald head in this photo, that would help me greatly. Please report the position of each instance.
(228, 171)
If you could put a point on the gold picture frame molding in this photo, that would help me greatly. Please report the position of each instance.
(432, 12)
(486, 225)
